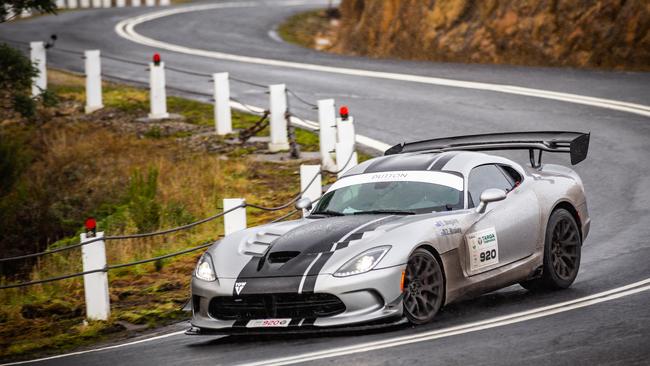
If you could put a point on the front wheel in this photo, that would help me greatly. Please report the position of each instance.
(423, 287)
(561, 253)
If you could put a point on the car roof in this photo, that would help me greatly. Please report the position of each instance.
(451, 161)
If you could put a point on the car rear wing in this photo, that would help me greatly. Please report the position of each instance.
(574, 143)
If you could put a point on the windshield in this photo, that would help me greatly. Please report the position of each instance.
(391, 197)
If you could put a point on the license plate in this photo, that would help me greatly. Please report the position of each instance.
(268, 323)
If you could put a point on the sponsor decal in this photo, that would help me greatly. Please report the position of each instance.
(483, 248)
(389, 176)
(448, 227)
(239, 286)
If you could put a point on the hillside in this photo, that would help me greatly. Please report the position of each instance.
(612, 34)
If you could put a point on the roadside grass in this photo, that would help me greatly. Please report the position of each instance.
(303, 28)
(96, 165)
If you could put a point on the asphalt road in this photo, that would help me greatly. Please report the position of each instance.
(616, 175)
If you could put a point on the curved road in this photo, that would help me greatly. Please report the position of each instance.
(616, 176)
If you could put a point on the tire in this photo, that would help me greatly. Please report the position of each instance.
(424, 287)
(562, 249)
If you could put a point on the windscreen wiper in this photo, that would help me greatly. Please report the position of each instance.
(394, 212)
(327, 213)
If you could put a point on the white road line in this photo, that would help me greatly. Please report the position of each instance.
(461, 329)
(96, 349)
(126, 30)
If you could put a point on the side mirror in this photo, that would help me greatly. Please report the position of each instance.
(490, 195)
(303, 204)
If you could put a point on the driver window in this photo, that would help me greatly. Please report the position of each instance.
(484, 177)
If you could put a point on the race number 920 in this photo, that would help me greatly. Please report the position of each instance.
(487, 255)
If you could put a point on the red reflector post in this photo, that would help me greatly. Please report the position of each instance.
(91, 227)
(156, 59)
(344, 112)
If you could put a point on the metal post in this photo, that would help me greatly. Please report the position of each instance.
(26, 13)
(150, 2)
(72, 4)
(165, 2)
(327, 132)
(222, 113)
(310, 186)
(236, 220)
(120, 3)
(60, 4)
(97, 3)
(157, 93)
(93, 81)
(106, 3)
(346, 158)
(84, 3)
(278, 108)
(37, 53)
(93, 255)
(136, 3)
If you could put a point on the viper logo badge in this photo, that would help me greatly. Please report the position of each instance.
(239, 286)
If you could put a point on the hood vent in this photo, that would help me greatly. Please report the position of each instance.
(259, 244)
(282, 257)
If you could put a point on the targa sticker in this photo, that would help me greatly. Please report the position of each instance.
(483, 248)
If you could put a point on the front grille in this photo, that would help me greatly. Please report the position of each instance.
(270, 306)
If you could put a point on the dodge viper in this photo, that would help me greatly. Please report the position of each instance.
(402, 235)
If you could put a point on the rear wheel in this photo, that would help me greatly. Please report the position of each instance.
(423, 287)
(561, 253)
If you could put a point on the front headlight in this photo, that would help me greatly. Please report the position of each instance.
(205, 268)
(364, 262)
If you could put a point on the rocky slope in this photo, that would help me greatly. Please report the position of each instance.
(587, 33)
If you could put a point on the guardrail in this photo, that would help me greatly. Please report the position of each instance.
(85, 4)
(337, 143)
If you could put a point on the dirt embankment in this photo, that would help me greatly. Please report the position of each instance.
(593, 33)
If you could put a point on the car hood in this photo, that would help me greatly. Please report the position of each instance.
(291, 248)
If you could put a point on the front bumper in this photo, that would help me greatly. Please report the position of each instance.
(372, 299)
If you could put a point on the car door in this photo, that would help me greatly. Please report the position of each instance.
(508, 230)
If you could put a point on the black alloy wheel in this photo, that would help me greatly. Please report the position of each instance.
(562, 251)
(423, 287)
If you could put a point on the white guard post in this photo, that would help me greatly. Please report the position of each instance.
(327, 132)
(278, 108)
(97, 3)
(72, 4)
(346, 157)
(93, 255)
(26, 13)
(150, 2)
(310, 186)
(84, 3)
(136, 3)
(236, 220)
(157, 94)
(222, 113)
(37, 53)
(120, 3)
(165, 2)
(60, 4)
(93, 81)
(106, 3)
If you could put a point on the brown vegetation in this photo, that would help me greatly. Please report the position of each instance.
(611, 34)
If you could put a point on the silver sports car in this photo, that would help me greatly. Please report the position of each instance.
(402, 235)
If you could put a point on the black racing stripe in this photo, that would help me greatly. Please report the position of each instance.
(440, 163)
(341, 245)
(356, 236)
(310, 280)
